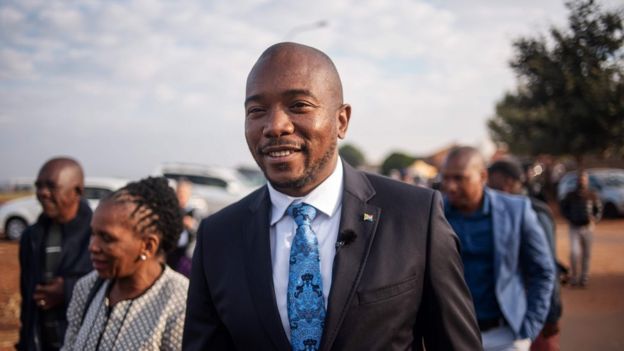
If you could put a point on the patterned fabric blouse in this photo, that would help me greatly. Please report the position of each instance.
(152, 321)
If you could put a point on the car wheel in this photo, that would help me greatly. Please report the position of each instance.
(610, 211)
(14, 228)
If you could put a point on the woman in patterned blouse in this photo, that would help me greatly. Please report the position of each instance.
(132, 301)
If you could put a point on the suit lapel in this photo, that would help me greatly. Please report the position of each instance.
(351, 258)
(260, 272)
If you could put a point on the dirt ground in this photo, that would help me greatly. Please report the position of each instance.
(592, 319)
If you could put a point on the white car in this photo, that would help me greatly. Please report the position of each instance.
(17, 214)
(217, 186)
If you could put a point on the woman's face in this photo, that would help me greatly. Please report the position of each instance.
(115, 247)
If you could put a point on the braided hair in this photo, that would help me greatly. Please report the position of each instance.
(156, 211)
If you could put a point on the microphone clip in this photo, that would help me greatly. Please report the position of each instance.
(345, 238)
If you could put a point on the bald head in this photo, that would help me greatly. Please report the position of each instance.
(468, 156)
(309, 60)
(294, 116)
(463, 178)
(60, 183)
(68, 166)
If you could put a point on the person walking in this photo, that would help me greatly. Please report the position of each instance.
(582, 208)
(508, 265)
(323, 257)
(53, 254)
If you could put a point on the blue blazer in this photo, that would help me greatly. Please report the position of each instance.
(523, 264)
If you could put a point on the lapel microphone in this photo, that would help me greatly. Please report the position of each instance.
(345, 238)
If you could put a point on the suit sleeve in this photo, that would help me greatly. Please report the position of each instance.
(539, 270)
(448, 321)
(203, 328)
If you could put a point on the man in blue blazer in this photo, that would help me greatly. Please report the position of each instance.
(507, 261)
(382, 266)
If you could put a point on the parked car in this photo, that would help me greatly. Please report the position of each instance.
(17, 214)
(608, 183)
(217, 186)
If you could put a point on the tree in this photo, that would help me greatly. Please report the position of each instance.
(570, 95)
(352, 155)
(396, 160)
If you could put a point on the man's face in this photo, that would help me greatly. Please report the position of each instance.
(292, 123)
(58, 191)
(583, 181)
(183, 192)
(462, 182)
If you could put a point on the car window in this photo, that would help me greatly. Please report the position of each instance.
(95, 193)
(614, 181)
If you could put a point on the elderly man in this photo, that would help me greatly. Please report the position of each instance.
(53, 254)
(508, 265)
(323, 257)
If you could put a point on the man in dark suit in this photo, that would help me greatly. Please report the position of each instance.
(323, 257)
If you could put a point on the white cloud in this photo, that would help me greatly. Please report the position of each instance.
(126, 85)
(15, 65)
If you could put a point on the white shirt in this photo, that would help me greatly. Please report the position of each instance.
(327, 199)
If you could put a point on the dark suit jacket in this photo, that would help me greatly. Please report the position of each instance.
(75, 263)
(398, 282)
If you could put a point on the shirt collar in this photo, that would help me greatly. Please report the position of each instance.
(326, 197)
(484, 210)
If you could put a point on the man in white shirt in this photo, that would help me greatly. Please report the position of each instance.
(324, 257)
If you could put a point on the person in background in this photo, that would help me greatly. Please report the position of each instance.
(132, 301)
(180, 258)
(507, 176)
(507, 261)
(53, 254)
(582, 208)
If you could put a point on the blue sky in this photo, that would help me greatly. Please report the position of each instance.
(125, 85)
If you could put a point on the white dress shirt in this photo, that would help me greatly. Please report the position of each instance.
(327, 199)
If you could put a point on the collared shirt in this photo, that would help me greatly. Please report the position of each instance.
(477, 240)
(327, 199)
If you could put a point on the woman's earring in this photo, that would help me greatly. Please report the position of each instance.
(143, 257)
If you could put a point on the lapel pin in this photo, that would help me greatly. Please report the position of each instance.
(368, 217)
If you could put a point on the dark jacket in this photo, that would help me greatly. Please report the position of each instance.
(547, 221)
(398, 282)
(75, 263)
(580, 207)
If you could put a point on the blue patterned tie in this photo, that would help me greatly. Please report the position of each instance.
(306, 306)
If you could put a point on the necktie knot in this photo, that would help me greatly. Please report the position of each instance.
(302, 213)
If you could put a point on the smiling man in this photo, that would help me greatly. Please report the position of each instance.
(53, 254)
(323, 257)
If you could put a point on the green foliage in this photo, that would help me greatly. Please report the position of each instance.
(570, 95)
(352, 155)
(396, 160)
